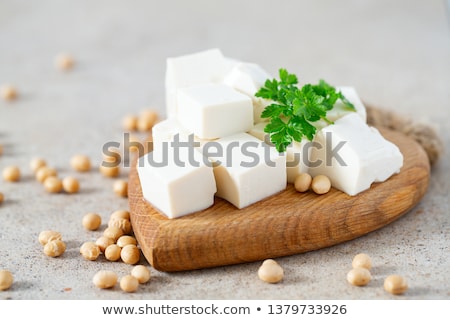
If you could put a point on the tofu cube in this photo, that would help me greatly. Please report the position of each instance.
(246, 169)
(214, 111)
(177, 181)
(165, 132)
(353, 155)
(339, 109)
(248, 78)
(208, 66)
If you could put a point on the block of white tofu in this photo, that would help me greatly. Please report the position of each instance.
(165, 131)
(297, 154)
(177, 182)
(229, 64)
(339, 109)
(248, 78)
(208, 66)
(246, 169)
(214, 110)
(353, 155)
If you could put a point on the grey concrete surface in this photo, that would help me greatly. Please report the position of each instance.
(396, 54)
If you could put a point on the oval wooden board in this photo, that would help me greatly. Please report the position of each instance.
(285, 224)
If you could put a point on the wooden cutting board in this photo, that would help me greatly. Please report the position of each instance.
(285, 224)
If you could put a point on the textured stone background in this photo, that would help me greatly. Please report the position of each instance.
(396, 54)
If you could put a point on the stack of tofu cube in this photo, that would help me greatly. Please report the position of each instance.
(213, 113)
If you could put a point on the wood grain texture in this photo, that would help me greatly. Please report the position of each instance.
(284, 224)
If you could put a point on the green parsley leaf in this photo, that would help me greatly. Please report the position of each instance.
(295, 109)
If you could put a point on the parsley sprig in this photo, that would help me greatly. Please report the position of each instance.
(294, 109)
